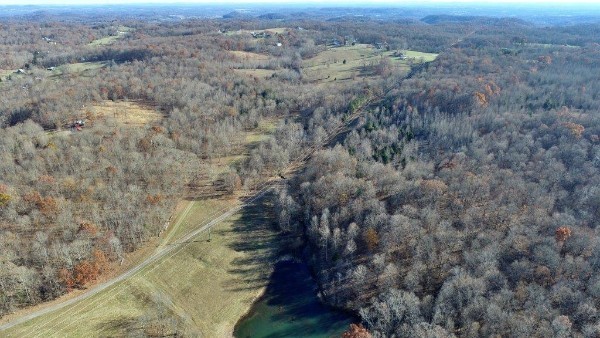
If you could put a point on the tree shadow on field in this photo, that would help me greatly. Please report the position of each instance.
(257, 237)
(122, 325)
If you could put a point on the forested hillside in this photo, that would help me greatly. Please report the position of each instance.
(73, 201)
(459, 194)
(467, 201)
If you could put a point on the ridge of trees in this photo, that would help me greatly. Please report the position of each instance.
(463, 203)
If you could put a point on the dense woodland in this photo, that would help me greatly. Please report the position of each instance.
(467, 201)
(73, 202)
(463, 200)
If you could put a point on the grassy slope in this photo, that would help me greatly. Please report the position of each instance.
(107, 40)
(78, 69)
(249, 56)
(4, 73)
(278, 30)
(329, 65)
(207, 285)
(259, 73)
(124, 112)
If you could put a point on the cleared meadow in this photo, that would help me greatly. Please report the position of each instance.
(107, 40)
(249, 56)
(356, 62)
(206, 285)
(277, 30)
(345, 63)
(132, 113)
(78, 69)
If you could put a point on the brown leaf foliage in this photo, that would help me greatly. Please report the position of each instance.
(356, 331)
(562, 234)
(371, 238)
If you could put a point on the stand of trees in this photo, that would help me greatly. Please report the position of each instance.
(72, 202)
(467, 202)
(463, 202)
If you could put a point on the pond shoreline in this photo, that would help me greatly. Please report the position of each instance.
(291, 304)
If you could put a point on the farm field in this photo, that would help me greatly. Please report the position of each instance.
(355, 62)
(107, 40)
(259, 73)
(278, 30)
(110, 113)
(132, 113)
(346, 63)
(77, 68)
(249, 56)
(230, 268)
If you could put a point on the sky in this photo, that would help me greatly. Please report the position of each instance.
(315, 2)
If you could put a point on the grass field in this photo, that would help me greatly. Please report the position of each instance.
(360, 59)
(107, 40)
(5, 73)
(204, 286)
(417, 56)
(249, 56)
(107, 112)
(252, 60)
(123, 112)
(80, 68)
(259, 73)
(549, 45)
(207, 286)
(278, 30)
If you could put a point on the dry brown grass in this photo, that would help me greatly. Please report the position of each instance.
(278, 30)
(5, 73)
(259, 73)
(249, 56)
(123, 112)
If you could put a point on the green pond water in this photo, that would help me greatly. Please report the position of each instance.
(290, 308)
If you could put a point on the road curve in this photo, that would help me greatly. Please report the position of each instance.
(151, 259)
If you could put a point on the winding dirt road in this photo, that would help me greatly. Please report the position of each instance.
(156, 256)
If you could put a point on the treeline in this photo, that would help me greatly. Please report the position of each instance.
(463, 201)
(73, 202)
(466, 202)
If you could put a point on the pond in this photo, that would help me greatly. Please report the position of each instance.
(290, 308)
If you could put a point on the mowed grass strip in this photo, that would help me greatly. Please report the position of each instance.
(107, 40)
(207, 285)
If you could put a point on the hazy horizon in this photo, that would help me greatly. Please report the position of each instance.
(361, 3)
